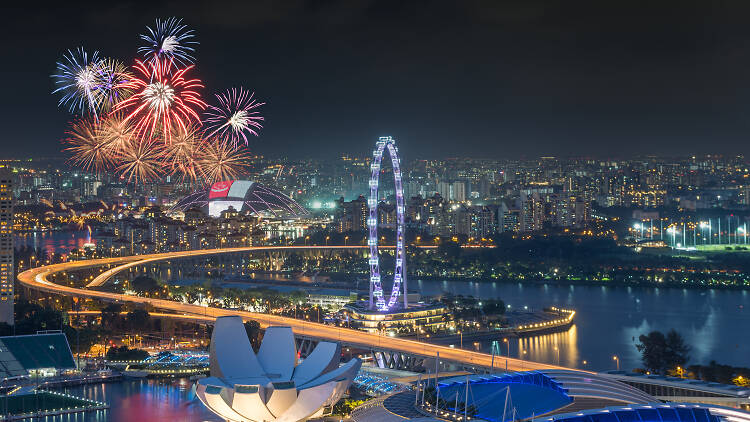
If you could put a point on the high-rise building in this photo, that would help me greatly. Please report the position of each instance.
(458, 191)
(445, 190)
(531, 212)
(351, 216)
(483, 221)
(6, 246)
(452, 191)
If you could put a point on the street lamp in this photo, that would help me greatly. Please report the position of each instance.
(673, 232)
(306, 239)
(507, 343)
(617, 361)
(346, 239)
(327, 238)
(743, 231)
(703, 226)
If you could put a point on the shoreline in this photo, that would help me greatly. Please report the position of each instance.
(576, 283)
(338, 282)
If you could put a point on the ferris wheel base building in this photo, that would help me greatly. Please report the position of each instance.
(428, 316)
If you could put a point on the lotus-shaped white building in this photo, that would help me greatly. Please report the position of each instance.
(271, 386)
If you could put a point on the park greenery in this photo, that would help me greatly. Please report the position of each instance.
(668, 354)
(588, 257)
(345, 406)
(556, 257)
(254, 334)
(662, 353)
(569, 258)
(125, 354)
(32, 318)
(117, 321)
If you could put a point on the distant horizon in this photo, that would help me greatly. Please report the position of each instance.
(277, 156)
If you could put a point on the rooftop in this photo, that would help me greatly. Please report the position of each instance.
(20, 354)
(361, 308)
(714, 387)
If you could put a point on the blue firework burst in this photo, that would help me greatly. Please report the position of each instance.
(77, 80)
(170, 39)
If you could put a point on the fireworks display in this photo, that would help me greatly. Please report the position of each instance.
(140, 161)
(113, 84)
(182, 153)
(235, 117)
(88, 147)
(77, 80)
(144, 121)
(221, 161)
(170, 40)
(115, 132)
(163, 99)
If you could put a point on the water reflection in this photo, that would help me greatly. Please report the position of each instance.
(141, 400)
(557, 348)
(610, 319)
(55, 241)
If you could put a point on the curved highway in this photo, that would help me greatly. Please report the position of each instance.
(37, 279)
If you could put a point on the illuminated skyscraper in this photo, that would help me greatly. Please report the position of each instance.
(6, 246)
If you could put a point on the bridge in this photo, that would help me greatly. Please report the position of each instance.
(396, 348)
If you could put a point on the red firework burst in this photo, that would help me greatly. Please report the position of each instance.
(163, 99)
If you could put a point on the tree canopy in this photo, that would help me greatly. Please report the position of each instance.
(661, 353)
(252, 328)
(126, 354)
(144, 284)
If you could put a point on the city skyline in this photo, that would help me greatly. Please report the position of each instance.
(511, 80)
(375, 210)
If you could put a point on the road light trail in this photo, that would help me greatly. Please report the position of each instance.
(37, 279)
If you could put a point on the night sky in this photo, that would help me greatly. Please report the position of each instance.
(465, 78)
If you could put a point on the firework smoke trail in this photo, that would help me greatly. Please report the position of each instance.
(182, 153)
(168, 41)
(140, 161)
(235, 117)
(89, 150)
(163, 99)
(221, 161)
(77, 79)
(113, 77)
